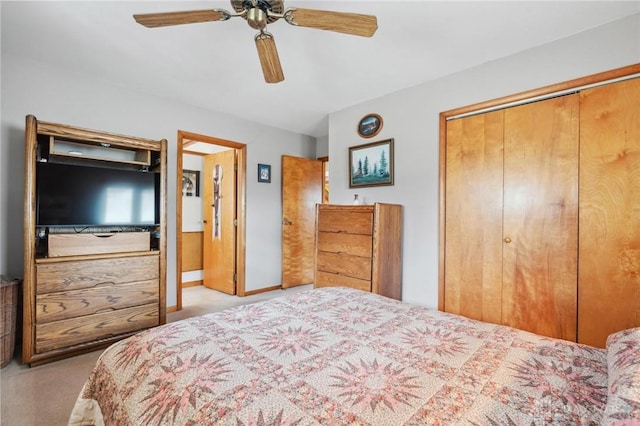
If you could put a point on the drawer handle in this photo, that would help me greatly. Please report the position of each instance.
(104, 235)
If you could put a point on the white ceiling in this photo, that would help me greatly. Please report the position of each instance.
(215, 65)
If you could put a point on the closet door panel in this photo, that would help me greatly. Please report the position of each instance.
(609, 274)
(541, 217)
(473, 225)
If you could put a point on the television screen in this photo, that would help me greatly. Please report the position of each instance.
(73, 195)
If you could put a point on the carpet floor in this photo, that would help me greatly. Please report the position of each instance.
(45, 394)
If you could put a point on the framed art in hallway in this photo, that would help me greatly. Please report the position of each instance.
(371, 164)
(190, 183)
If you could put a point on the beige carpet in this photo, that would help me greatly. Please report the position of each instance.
(45, 394)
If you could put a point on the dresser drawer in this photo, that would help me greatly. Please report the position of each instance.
(326, 279)
(79, 274)
(75, 331)
(344, 264)
(78, 244)
(354, 244)
(352, 222)
(75, 303)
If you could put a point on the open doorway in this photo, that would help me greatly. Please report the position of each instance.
(195, 145)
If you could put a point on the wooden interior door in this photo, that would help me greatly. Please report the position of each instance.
(473, 223)
(219, 233)
(540, 229)
(609, 274)
(301, 191)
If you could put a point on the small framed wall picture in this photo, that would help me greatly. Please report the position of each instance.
(264, 173)
(190, 183)
(369, 125)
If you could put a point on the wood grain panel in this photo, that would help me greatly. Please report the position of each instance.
(541, 217)
(356, 220)
(219, 244)
(76, 303)
(473, 224)
(326, 279)
(96, 137)
(609, 270)
(66, 333)
(191, 251)
(386, 260)
(79, 274)
(301, 190)
(344, 264)
(80, 244)
(353, 244)
(29, 284)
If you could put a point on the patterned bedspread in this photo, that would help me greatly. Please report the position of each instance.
(339, 356)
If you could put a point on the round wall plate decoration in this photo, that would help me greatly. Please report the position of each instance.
(369, 125)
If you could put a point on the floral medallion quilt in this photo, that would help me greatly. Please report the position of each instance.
(339, 356)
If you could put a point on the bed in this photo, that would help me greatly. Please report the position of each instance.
(338, 356)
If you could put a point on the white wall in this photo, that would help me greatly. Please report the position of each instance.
(411, 118)
(192, 211)
(66, 97)
(322, 147)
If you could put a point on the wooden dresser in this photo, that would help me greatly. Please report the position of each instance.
(360, 247)
(85, 299)
(86, 287)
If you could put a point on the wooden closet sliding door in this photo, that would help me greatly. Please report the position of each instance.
(473, 226)
(511, 221)
(609, 275)
(541, 217)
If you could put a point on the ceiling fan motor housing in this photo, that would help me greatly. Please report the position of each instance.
(257, 8)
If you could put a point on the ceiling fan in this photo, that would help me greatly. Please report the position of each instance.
(259, 13)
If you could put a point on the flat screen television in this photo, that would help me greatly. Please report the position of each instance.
(81, 196)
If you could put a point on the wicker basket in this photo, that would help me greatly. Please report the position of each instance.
(9, 304)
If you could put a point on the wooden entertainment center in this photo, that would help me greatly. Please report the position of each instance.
(86, 287)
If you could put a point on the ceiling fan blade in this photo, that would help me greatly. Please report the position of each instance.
(342, 22)
(153, 20)
(269, 58)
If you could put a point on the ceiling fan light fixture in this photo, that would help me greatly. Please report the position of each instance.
(257, 18)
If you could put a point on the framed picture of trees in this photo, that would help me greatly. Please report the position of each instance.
(371, 164)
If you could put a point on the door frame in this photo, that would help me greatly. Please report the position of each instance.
(185, 137)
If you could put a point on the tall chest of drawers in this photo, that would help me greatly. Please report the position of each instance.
(360, 247)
